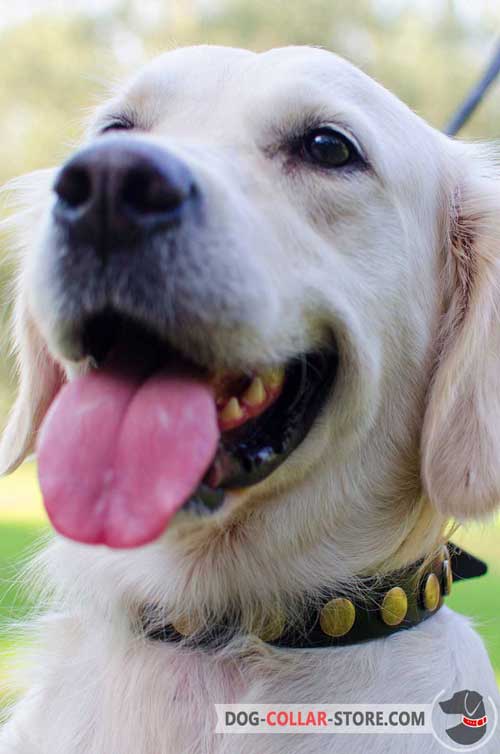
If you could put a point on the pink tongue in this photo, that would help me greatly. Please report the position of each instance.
(119, 456)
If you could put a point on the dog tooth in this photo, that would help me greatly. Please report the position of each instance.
(232, 411)
(273, 377)
(255, 393)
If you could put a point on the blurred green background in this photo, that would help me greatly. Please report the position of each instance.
(59, 57)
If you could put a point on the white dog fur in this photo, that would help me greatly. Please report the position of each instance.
(402, 262)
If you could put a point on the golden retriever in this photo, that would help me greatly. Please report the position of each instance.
(258, 322)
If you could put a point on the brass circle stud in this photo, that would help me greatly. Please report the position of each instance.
(394, 606)
(272, 628)
(337, 617)
(447, 578)
(432, 592)
(186, 626)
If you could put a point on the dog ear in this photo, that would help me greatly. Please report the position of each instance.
(40, 377)
(461, 431)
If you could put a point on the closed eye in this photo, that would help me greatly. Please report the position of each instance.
(118, 123)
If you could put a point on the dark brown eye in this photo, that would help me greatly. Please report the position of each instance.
(329, 148)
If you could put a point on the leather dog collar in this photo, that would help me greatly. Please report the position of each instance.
(373, 609)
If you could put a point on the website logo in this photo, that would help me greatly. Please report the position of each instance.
(460, 721)
(469, 705)
(466, 718)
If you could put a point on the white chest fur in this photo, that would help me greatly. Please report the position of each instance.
(120, 695)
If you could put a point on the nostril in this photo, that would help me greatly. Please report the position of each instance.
(74, 186)
(149, 192)
(119, 185)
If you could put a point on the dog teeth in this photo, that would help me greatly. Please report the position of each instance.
(273, 377)
(234, 407)
(232, 411)
(255, 395)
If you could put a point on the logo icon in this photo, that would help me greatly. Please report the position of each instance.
(473, 718)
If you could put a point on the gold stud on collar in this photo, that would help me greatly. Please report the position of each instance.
(431, 592)
(447, 577)
(446, 571)
(337, 617)
(394, 606)
(186, 625)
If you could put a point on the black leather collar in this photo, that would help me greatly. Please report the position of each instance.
(375, 608)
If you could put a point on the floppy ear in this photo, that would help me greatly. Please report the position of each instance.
(40, 377)
(461, 432)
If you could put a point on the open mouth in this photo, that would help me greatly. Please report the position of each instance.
(147, 432)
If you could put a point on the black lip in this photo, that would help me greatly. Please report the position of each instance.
(251, 453)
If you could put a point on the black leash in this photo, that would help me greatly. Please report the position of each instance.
(475, 96)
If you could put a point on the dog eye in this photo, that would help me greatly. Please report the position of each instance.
(117, 124)
(329, 148)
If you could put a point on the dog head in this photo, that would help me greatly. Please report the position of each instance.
(312, 271)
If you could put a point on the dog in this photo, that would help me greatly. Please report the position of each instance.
(257, 324)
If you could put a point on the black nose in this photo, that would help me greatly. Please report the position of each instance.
(121, 186)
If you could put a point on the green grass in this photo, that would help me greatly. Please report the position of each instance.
(22, 526)
(17, 541)
(23, 523)
(480, 598)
